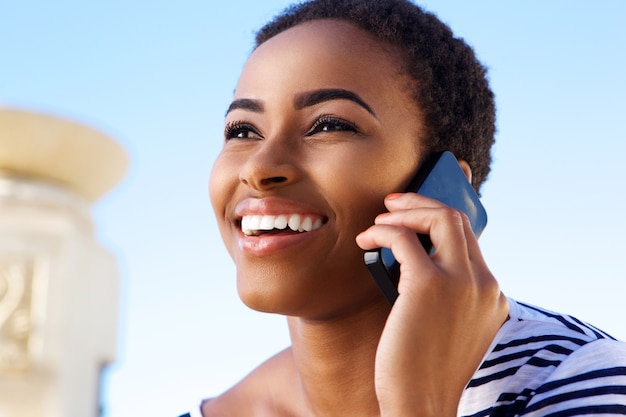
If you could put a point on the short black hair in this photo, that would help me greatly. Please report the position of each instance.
(450, 85)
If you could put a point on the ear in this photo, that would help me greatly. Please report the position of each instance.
(466, 169)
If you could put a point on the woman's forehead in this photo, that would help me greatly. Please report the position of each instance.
(320, 54)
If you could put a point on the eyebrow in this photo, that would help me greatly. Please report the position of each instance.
(246, 104)
(311, 98)
(307, 99)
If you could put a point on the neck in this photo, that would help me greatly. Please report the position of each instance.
(334, 357)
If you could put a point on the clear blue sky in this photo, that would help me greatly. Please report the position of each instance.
(158, 77)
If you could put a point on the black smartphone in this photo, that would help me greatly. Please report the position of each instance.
(440, 178)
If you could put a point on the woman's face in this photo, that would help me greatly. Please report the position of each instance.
(320, 130)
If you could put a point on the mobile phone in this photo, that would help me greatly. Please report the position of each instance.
(442, 179)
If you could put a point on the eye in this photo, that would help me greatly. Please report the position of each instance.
(241, 130)
(331, 124)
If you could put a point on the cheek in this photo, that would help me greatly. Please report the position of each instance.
(221, 181)
(222, 185)
(361, 183)
(356, 188)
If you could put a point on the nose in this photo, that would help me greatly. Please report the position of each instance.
(271, 165)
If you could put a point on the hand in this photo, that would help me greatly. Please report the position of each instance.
(449, 308)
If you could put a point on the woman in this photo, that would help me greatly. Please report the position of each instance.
(337, 107)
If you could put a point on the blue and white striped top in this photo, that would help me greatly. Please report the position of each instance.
(547, 364)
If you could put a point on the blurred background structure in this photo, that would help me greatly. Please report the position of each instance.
(59, 288)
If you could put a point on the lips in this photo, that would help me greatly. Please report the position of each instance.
(275, 221)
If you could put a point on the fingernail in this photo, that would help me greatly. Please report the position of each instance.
(393, 196)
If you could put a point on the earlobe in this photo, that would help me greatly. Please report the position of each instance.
(466, 169)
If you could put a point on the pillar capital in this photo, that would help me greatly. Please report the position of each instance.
(63, 152)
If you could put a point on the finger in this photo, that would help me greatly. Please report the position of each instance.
(473, 248)
(403, 201)
(417, 271)
(402, 241)
(446, 227)
(399, 202)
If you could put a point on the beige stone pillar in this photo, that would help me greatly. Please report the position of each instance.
(58, 286)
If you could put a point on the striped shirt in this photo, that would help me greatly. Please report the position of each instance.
(547, 364)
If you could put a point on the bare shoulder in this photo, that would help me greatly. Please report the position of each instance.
(269, 390)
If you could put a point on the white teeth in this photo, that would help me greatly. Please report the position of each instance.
(251, 225)
(267, 223)
(306, 225)
(281, 222)
(294, 222)
(255, 222)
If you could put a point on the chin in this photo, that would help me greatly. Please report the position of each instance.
(268, 292)
(258, 299)
(278, 292)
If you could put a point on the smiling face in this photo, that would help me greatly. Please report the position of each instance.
(320, 130)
